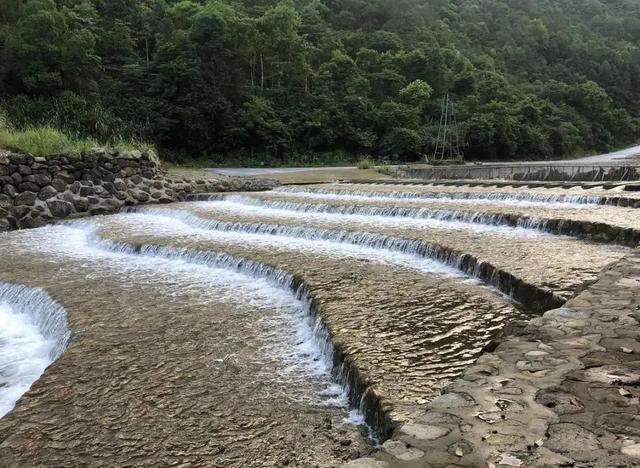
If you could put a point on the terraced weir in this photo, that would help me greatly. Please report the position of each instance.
(298, 327)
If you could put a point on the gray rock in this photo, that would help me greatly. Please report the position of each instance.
(59, 208)
(17, 158)
(5, 201)
(65, 177)
(81, 204)
(567, 437)
(32, 221)
(75, 187)
(24, 170)
(119, 185)
(560, 402)
(47, 192)
(140, 196)
(59, 184)
(39, 179)
(99, 210)
(28, 187)
(452, 400)
(21, 211)
(25, 198)
(86, 191)
(9, 190)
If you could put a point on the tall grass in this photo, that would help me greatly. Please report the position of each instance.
(366, 163)
(41, 141)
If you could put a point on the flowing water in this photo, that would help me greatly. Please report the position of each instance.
(474, 198)
(33, 334)
(263, 329)
(368, 217)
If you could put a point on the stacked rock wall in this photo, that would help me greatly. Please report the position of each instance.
(37, 190)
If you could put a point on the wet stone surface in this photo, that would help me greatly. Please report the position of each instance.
(580, 409)
(556, 264)
(432, 336)
(163, 369)
(173, 362)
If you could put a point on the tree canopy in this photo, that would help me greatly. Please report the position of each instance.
(258, 79)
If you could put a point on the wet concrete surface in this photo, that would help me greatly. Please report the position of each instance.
(627, 218)
(484, 189)
(560, 265)
(409, 342)
(165, 367)
(172, 364)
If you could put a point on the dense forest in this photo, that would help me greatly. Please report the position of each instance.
(306, 80)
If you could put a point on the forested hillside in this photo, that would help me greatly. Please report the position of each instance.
(264, 80)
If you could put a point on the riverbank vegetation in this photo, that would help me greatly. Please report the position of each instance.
(262, 81)
(46, 140)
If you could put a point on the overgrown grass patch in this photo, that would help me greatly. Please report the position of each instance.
(41, 141)
(366, 163)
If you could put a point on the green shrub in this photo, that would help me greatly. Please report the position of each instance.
(366, 163)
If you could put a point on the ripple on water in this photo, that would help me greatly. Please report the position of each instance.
(289, 346)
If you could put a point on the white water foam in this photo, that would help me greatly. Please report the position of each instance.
(33, 334)
(322, 242)
(292, 339)
(369, 217)
(522, 199)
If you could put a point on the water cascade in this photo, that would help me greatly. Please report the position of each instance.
(299, 339)
(33, 334)
(498, 223)
(393, 216)
(506, 198)
(416, 254)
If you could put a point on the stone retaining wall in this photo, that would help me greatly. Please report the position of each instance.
(37, 190)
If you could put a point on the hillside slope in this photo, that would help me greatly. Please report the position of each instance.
(272, 81)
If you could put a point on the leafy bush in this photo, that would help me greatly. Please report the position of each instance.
(366, 163)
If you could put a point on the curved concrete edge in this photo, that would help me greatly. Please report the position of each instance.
(564, 391)
(532, 296)
(600, 232)
(615, 200)
(361, 394)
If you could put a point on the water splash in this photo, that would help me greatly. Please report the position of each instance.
(373, 216)
(506, 198)
(33, 334)
(297, 337)
(416, 254)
